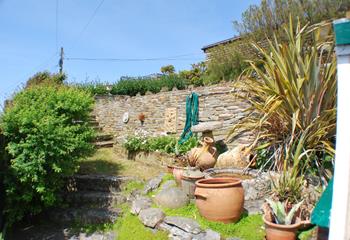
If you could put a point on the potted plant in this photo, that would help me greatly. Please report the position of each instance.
(141, 117)
(280, 218)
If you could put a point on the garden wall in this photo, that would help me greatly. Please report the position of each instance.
(216, 103)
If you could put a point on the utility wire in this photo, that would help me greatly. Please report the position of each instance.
(87, 23)
(177, 57)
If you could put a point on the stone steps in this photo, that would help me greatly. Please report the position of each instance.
(102, 140)
(91, 199)
(94, 199)
(97, 182)
(84, 215)
(104, 137)
(104, 144)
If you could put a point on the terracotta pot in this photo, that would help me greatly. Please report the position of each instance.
(280, 232)
(177, 173)
(189, 178)
(170, 168)
(220, 199)
(203, 157)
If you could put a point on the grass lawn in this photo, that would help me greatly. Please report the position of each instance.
(105, 161)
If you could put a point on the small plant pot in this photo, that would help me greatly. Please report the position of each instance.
(178, 171)
(280, 232)
(220, 199)
(188, 182)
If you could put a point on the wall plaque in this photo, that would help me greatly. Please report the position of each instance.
(170, 124)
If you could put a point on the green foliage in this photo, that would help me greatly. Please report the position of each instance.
(195, 75)
(280, 214)
(248, 228)
(132, 86)
(133, 185)
(225, 64)
(47, 132)
(46, 78)
(165, 144)
(168, 69)
(129, 227)
(292, 92)
(259, 21)
(95, 87)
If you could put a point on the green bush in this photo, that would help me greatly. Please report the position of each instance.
(132, 86)
(46, 78)
(47, 132)
(95, 88)
(225, 64)
(165, 144)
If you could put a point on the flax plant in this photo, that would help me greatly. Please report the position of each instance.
(292, 89)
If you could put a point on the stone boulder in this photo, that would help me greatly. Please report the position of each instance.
(187, 224)
(151, 217)
(172, 198)
(139, 204)
(153, 184)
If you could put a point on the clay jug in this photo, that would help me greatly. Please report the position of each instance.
(203, 157)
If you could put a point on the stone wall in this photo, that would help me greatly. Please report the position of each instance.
(216, 103)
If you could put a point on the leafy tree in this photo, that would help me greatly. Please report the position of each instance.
(47, 131)
(168, 69)
(46, 78)
(195, 74)
(267, 18)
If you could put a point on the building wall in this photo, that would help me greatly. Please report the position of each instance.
(216, 103)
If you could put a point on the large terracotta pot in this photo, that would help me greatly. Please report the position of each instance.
(203, 157)
(220, 199)
(279, 231)
(178, 171)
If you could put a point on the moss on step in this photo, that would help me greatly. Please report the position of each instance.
(248, 228)
(129, 227)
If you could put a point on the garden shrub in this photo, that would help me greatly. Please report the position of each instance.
(165, 144)
(46, 78)
(225, 64)
(47, 131)
(95, 87)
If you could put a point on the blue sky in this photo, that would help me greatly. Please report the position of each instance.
(119, 29)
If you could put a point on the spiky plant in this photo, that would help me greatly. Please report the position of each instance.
(280, 213)
(292, 89)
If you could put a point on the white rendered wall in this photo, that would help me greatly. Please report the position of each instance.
(339, 225)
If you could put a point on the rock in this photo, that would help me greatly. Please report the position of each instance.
(151, 217)
(153, 184)
(139, 204)
(207, 235)
(169, 184)
(186, 224)
(171, 198)
(237, 157)
(253, 206)
(94, 236)
(177, 233)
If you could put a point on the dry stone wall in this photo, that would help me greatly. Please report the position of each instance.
(216, 103)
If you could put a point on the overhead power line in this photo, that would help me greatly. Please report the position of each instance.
(177, 58)
(88, 22)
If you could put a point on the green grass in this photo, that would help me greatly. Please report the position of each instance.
(248, 228)
(129, 227)
(133, 185)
